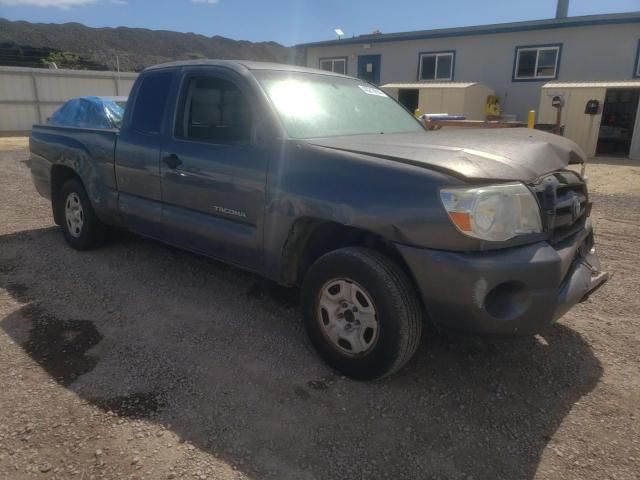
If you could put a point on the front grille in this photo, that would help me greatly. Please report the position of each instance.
(565, 205)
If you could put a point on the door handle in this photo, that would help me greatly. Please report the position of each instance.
(172, 161)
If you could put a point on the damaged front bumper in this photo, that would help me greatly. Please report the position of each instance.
(516, 291)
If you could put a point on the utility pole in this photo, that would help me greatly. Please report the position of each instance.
(118, 75)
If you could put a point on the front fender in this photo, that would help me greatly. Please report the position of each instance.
(397, 202)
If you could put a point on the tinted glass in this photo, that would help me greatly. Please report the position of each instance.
(527, 63)
(151, 101)
(315, 105)
(444, 67)
(214, 110)
(429, 67)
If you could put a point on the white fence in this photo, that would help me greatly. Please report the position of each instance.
(31, 95)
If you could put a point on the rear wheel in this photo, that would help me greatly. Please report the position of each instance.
(82, 229)
(361, 312)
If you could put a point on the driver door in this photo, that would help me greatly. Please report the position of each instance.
(213, 174)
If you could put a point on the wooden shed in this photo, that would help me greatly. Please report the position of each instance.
(453, 98)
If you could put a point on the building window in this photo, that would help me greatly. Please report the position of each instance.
(436, 66)
(336, 65)
(537, 62)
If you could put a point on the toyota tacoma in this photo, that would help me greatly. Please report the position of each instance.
(322, 181)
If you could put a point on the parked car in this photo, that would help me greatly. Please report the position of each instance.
(90, 112)
(316, 179)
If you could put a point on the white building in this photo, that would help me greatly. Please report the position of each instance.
(514, 59)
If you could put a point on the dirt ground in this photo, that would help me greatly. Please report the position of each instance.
(615, 176)
(141, 361)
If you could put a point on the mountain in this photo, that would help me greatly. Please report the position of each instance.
(73, 45)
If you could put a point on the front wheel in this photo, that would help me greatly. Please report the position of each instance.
(361, 313)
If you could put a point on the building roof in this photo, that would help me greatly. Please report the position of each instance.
(595, 84)
(423, 85)
(582, 21)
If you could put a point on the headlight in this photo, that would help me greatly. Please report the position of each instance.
(495, 213)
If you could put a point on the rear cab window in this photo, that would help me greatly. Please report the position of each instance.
(151, 101)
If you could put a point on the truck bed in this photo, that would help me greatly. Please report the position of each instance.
(88, 151)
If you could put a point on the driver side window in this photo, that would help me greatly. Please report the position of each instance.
(213, 110)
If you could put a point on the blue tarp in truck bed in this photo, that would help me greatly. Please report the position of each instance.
(90, 112)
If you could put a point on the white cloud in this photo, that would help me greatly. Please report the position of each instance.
(120, 2)
(210, 2)
(47, 3)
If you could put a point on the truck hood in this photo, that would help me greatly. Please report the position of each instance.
(479, 154)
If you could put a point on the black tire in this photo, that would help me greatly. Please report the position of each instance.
(399, 311)
(93, 232)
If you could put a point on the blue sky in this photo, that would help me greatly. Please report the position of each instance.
(295, 21)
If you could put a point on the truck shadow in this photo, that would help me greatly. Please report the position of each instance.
(147, 331)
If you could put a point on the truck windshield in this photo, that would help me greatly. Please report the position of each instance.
(314, 105)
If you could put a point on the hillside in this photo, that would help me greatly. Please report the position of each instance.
(78, 46)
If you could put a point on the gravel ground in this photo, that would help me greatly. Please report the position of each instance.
(141, 361)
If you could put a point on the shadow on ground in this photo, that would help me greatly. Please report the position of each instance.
(150, 332)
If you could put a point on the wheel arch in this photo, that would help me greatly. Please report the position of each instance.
(309, 238)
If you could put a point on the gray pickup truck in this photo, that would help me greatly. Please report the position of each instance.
(319, 180)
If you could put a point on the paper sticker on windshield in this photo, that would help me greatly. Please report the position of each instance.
(372, 91)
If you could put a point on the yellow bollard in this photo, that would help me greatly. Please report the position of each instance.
(417, 113)
(531, 120)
